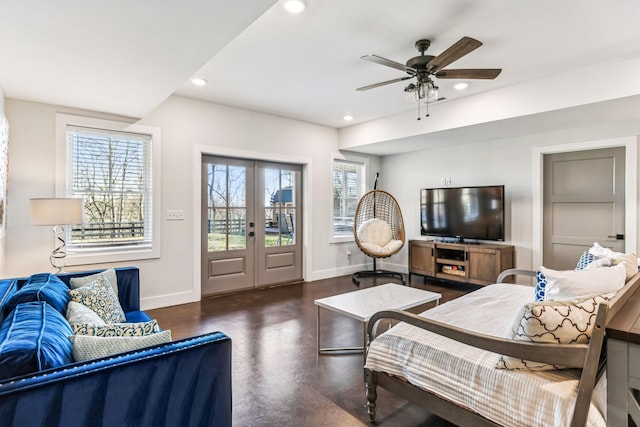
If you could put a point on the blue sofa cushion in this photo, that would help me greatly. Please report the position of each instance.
(42, 287)
(34, 336)
(8, 287)
(137, 316)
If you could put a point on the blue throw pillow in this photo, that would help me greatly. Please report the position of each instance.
(34, 337)
(42, 287)
(585, 259)
(541, 284)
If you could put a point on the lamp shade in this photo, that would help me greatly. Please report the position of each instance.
(56, 211)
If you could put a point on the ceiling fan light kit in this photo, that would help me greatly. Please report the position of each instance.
(424, 67)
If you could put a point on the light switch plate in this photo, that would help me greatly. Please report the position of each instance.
(175, 215)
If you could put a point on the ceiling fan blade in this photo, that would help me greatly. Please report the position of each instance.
(389, 63)
(455, 52)
(375, 85)
(478, 73)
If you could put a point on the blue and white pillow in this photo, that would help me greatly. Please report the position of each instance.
(541, 284)
(586, 259)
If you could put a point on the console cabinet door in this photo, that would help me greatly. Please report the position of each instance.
(485, 264)
(421, 258)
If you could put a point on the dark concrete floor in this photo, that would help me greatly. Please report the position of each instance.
(278, 377)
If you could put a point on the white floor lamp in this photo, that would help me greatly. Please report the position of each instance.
(56, 212)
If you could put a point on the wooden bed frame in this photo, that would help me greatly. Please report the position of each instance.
(590, 358)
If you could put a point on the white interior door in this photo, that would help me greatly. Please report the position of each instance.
(583, 196)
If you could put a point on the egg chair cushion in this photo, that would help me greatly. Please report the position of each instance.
(375, 232)
(389, 249)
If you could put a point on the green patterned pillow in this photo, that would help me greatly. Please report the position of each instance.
(117, 329)
(100, 297)
(87, 347)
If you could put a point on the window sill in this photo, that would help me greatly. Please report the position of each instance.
(110, 256)
(341, 239)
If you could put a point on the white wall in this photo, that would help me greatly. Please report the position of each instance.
(507, 162)
(2, 240)
(187, 125)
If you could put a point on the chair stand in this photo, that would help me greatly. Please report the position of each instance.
(355, 278)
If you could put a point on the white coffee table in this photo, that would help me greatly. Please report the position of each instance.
(364, 303)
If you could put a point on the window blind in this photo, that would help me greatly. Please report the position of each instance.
(348, 187)
(111, 172)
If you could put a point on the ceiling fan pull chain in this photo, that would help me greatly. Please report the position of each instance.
(419, 118)
(427, 115)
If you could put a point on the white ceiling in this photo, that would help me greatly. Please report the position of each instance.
(126, 57)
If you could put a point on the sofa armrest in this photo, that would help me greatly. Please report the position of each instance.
(186, 383)
(513, 272)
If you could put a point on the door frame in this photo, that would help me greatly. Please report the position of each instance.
(630, 143)
(213, 150)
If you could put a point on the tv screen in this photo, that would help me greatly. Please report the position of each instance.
(475, 213)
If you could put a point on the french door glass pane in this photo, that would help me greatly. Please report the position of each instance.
(226, 221)
(279, 198)
(237, 228)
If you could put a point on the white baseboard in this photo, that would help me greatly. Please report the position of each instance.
(336, 272)
(344, 271)
(167, 300)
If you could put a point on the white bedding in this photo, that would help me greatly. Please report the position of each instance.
(468, 376)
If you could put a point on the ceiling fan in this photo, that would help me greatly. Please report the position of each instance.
(424, 67)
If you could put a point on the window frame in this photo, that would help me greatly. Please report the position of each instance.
(109, 254)
(364, 162)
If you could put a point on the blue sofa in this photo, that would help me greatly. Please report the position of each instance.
(181, 383)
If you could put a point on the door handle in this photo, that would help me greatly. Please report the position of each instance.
(617, 237)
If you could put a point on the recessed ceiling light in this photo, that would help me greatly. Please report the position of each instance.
(199, 81)
(348, 118)
(295, 6)
(461, 86)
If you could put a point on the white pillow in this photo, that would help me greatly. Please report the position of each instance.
(80, 313)
(375, 231)
(630, 261)
(87, 347)
(567, 284)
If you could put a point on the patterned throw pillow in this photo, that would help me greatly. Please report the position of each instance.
(109, 275)
(87, 347)
(541, 284)
(117, 329)
(553, 322)
(100, 297)
(585, 259)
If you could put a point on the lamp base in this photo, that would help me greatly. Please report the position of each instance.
(59, 253)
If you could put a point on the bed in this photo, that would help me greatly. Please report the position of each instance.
(445, 360)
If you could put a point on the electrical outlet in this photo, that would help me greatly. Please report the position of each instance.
(175, 215)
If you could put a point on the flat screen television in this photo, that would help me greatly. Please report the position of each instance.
(463, 213)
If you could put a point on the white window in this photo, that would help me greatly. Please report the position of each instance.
(348, 184)
(111, 166)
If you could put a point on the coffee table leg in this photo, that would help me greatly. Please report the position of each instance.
(339, 350)
(318, 327)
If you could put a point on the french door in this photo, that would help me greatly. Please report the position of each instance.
(251, 222)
